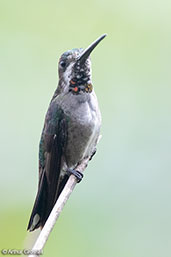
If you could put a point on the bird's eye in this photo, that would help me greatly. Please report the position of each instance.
(63, 64)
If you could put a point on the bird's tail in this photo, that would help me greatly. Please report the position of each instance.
(39, 213)
(45, 200)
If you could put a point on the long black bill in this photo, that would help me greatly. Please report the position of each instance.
(85, 54)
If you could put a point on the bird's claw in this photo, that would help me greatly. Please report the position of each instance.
(93, 153)
(76, 173)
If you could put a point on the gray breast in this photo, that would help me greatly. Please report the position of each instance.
(84, 122)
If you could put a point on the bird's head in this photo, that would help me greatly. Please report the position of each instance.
(75, 69)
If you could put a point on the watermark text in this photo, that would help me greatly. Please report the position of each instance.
(20, 252)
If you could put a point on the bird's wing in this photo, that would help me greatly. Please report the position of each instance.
(52, 145)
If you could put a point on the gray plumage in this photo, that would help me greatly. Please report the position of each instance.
(70, 133)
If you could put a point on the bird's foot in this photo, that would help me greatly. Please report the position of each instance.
(76, 173)
(94, 152)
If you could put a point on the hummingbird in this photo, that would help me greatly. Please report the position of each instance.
(70, 133)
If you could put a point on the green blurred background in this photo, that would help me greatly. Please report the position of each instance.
(122, 208)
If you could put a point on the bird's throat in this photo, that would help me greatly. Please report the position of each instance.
(76, 88)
